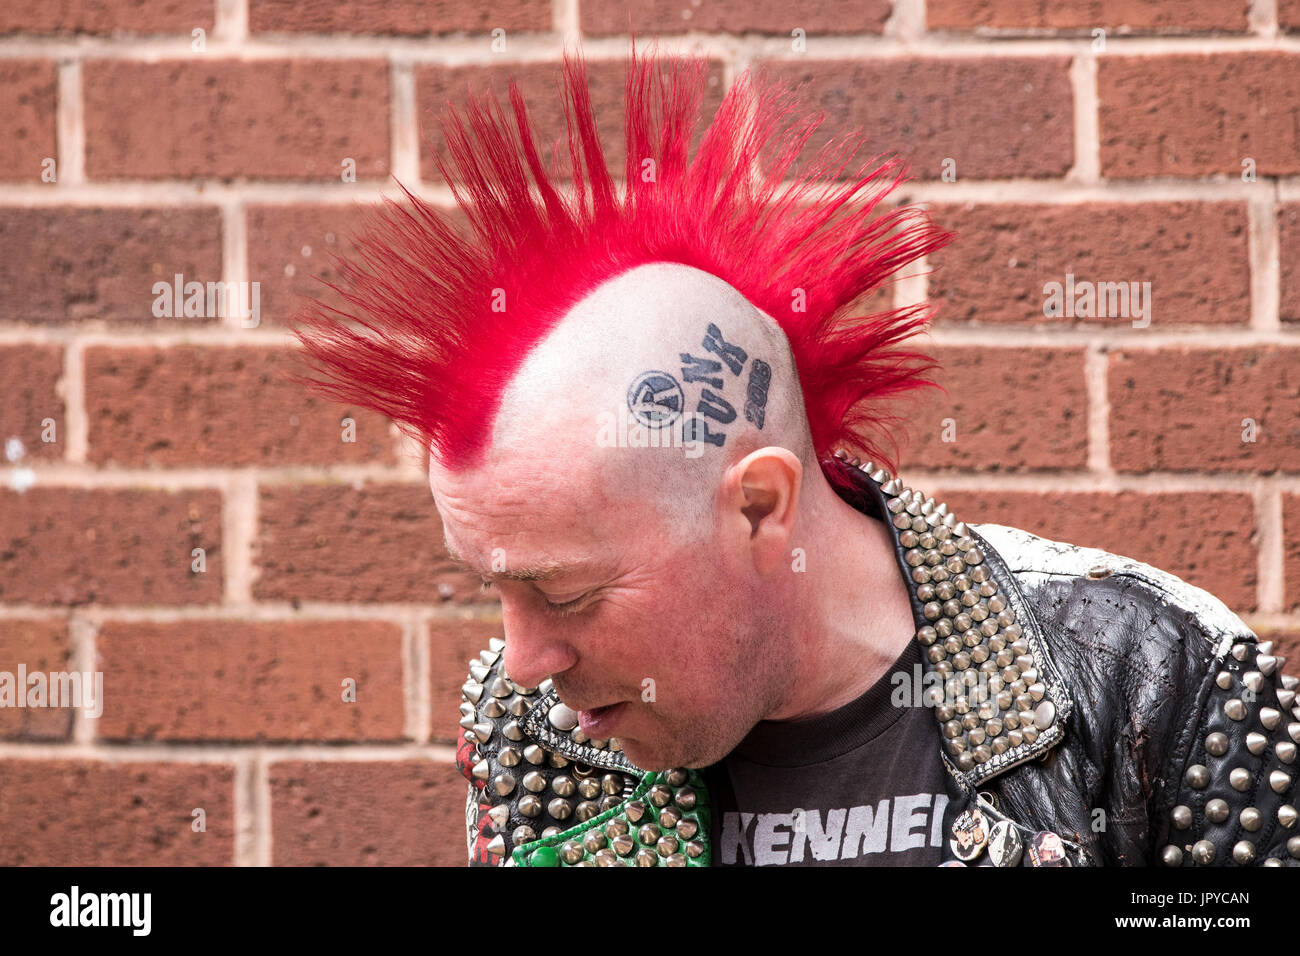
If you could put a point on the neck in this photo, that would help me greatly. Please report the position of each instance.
(853, 617)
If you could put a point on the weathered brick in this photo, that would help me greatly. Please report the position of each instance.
(1291, 550)
(69, 546)
(1195, 255)
(1186, 409)
(113, 16)
(1288, 226)
(994, 117)
(1207, 539)
(405, 17)
(39, 644)
(606, 17)
(209, 405)
(1115, 16)
(289, 249)
(222, 680)
(452, 644)
(87, 813)
(367, 813)
(60, 264)
(1196, 114)
(30, 394)
(255, 119)
(339, 543)
(436, 86)
(1288, 14)
(1009, 409)
(28, 90)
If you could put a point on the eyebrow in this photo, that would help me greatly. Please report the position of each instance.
(542, 571)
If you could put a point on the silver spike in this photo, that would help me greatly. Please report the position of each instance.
(1285, 751)
(1286, 698)
(473, 690)
(478, 671)
(499, 815)
(498, 845)
(488, 657)
(1264, 647)
(1279, 781)
(1270, 717)
(481, 770)
(493, 709)
(1256, 742)
(496, 644)
(1239, 651)
(1266, 663)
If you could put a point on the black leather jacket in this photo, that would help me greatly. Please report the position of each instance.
(1079, 695)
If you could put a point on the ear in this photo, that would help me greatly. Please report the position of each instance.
(760, 502)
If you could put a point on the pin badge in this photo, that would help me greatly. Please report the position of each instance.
(1046, 849)
(969, 835)
(1005, 845)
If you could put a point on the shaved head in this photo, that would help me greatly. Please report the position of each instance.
(640, 507)
(663, 329)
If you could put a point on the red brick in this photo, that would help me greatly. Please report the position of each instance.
(1195, 255)
(1197, 114)
(221, 680)
(1115, 16)
(367, 813)
(1291, 550)
(451, 646)
(70, 546)
(40, 644)
(539, 83)
(1288, 225)
(1288, 14)
(29, 394)
(61, 264)
(1181, 409)
(289, 249)
(1206, 538)
(118, 16)
(210, 405)
(28, 90)
(407, 17)
(606, 17)
(995, 117)
(87, 813)
(339, 543)
(231, 119)
(990, 394)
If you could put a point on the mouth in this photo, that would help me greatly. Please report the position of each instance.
(598, 722)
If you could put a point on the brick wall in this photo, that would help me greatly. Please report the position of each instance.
(176, 516)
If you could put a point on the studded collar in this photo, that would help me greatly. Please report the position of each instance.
(989, 676)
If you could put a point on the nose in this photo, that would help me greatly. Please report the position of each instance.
(535, 648)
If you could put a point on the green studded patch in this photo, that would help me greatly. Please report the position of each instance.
(664, 823)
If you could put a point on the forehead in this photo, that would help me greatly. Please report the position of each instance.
(532, 508)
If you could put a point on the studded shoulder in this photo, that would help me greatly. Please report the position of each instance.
(1236, 801)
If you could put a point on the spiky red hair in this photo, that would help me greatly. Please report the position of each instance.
(423, 344)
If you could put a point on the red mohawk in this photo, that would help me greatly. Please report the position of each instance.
(440, 322)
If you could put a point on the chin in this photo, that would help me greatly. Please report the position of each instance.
(647, 756)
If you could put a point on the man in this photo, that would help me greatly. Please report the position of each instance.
(726, 641)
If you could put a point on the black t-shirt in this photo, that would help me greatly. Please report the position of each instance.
(860, 786)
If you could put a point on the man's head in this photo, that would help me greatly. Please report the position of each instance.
(674, 558)
(703, 300)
